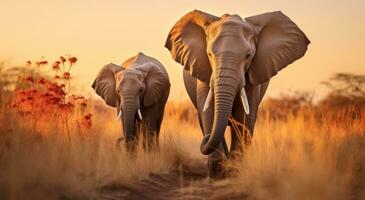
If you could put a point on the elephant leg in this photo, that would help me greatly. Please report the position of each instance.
(150, 136)
(237, 134)
(263, 89)
(257, 93)
(198, 91)
(190, 86)
(242, 136)
(150, 127)
(214, 159)
(161, 105)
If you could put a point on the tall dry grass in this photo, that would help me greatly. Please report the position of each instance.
(304, 157)
(57, 145)
(45, 163)
(303, 152)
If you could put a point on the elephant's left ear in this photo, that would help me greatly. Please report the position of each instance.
(157, 82)
(280, 42)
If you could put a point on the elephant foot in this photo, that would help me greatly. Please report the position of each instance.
(216, 169)
(131, 145)
(231, 172)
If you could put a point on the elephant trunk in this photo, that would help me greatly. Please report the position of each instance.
(225, 89)
(129, 118)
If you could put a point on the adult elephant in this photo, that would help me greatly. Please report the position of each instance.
(139, 90)
(228, 63)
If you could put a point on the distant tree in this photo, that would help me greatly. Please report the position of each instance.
(346, 91)
(344, 84)
(287, 103)
(346, 95)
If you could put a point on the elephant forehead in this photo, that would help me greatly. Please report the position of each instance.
(229, 16)
(129, 75)
(228, 20)
(130, 84)
(225, 26)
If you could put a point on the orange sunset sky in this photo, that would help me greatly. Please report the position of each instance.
(100, 32)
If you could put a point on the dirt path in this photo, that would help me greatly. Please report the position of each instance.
(188, 181)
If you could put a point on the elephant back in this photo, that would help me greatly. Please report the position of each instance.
(141, 59)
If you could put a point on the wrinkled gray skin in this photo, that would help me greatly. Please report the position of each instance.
(141, 83)
(198, 91)
(234, 59)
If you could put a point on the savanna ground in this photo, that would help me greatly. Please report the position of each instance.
(55, 145)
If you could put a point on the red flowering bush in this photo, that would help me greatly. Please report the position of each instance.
(45, 98)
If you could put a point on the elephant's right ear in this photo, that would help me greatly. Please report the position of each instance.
(104, 84)
(187, 43)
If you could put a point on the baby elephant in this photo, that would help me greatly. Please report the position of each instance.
(139, 90)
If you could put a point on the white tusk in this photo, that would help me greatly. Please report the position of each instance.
(244, 101)
(119, 117)
(139, 114)
(208, 100)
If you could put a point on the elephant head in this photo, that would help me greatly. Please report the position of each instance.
(138, 83)
(229, 52)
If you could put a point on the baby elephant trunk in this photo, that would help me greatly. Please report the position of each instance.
(129, 125)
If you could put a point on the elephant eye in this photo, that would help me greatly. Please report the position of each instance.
(209, 54)
(248, 56)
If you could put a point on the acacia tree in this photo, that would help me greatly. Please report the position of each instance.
(344, 84)
(346, 90)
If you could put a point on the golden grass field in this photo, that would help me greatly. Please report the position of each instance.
(310, 153)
